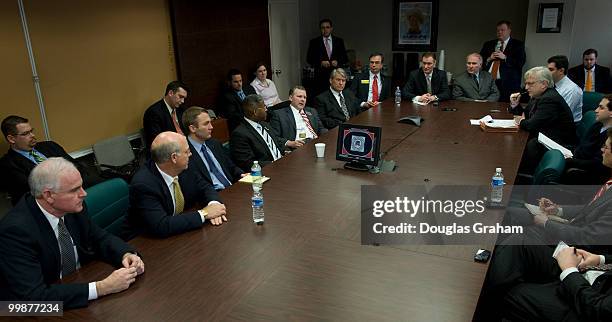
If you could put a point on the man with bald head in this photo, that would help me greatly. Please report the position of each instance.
(48, 235)
(475, 84)
(162, 193)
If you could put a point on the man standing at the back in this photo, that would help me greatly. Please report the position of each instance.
(505, 58)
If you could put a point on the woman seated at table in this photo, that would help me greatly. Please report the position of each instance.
(265, 87)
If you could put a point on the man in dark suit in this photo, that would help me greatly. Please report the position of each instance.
(253, 139)
(475, 84)
(372, 87)
(165, 114)
(25, 153)
(505, 59)
(48, 235)
(208, 157)
(325, 53)
(427, 84)
(337, 104)
(525, 283)
(230, 102)
(599, 75)
(297, 122)
(163, 195)
(547, 111)
(585, 166)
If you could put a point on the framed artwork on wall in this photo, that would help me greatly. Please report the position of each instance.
(549, 18)
(415, 25)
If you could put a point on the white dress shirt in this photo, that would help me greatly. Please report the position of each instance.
(572, 94)
(300, 125)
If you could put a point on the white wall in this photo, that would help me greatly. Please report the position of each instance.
(584, 25)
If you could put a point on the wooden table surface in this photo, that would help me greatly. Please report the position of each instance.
(307, 262)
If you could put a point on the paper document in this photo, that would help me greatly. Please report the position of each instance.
(535, 210)
(419, 103)
(560, 246)
(552, 145)
(249, 179)
(484, 119)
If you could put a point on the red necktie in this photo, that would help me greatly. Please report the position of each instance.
(602, 190)
(307, 121)
(375, 89)
(176, 125)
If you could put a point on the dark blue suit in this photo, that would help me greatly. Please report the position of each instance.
(30, 260)
(510, 69)
(151, 205)
(196, 164)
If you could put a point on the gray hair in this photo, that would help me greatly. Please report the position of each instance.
(477, 55)
(162, 152)
(47, 175)
(541, 74)
(336, 72)
(251, 102)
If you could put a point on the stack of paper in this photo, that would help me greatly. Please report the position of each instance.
(552, 145)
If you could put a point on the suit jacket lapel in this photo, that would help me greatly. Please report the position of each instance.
(46, 232)
(311, 118)
(592, 206)
(167, 196)
(259, 139)
(290, 120)
(199, 162)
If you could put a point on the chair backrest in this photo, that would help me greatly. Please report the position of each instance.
(550, 168)
(588, 119)
(107, 204)
(590, 101)
(115, 151)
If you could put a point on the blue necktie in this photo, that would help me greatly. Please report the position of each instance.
(213, 168)
(241, 95)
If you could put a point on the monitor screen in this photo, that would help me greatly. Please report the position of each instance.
(358, 144)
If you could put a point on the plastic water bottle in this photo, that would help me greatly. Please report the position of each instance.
(497, 186)
(256, 175)
(398, 96)
(257, 200)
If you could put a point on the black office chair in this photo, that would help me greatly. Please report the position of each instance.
(115, 158)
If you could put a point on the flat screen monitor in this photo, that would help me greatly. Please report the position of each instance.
(358, 145)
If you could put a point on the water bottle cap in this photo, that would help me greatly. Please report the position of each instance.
(255, 162)
(498, 170)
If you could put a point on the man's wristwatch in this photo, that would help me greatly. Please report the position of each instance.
(203, 213)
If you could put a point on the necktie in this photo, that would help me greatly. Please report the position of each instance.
(66, 249)
(271, 145)
(179, 200)
(428, 78)
(605, 267)
(601, 191)
(213, 167)
(497, 62)
(375, 89)
(588, 86)
(241, 95)
(176, 125)
(37, 157)
(308, 125)
(476, 81)
(328, 48)
(343, 106)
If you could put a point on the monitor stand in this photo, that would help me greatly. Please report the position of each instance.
(356, 166)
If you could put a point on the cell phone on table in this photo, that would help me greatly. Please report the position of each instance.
(482, 255)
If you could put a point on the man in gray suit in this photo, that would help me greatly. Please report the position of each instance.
(475, 84)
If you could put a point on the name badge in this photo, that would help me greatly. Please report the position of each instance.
(365, 81)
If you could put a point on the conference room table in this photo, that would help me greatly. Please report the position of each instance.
(307, 261)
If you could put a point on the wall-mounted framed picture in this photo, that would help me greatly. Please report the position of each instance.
(549, 17)
(415, 25)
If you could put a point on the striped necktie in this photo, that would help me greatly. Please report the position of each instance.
(213, 167)
(602, 191)
(308, 125)
(177, 127)
(270, 143)
(343, 106)
(66, 249)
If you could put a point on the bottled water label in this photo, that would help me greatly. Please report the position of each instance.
(256, 173)
(257, 202)
(497, 182)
